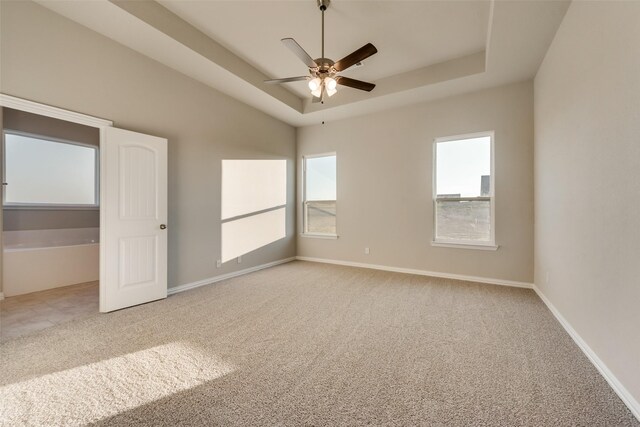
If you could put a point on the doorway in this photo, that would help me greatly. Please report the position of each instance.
(51, 221)
(132, 247)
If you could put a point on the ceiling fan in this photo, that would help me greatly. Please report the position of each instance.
(323, 72)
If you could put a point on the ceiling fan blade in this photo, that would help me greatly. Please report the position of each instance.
(353, 58)
(287, 79)
(299, 52)
(356, 84)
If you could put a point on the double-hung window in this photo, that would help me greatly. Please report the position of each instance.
(319, 204)
(45, 172)
(463, 190)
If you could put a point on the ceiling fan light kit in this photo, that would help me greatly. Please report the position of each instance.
(323, 75)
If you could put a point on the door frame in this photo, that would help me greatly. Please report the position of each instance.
(74, 117)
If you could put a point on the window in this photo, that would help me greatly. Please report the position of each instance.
(319, 210)
(463, 184)
(44, 172)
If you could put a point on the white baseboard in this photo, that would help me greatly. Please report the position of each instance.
(1, 296)
(422, 272)
(192, 285)
(616, 385)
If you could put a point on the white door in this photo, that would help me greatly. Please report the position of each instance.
(133, 235)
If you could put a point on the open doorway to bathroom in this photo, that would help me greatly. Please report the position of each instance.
(51, 219)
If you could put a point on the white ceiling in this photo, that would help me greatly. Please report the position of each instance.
(426, 49)
(408, 35)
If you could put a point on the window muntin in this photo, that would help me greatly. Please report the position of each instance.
(463, 190)
(319, 206)
(45, 172)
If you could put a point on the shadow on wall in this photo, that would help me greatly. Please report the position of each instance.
(254, 198)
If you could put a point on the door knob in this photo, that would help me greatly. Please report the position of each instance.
(163, 226)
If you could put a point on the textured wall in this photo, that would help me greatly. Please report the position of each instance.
(385, 183)
(587, 184)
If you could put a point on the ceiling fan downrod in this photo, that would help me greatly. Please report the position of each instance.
(323, 5)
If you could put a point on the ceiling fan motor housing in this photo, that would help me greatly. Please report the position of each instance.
(323, 4)
(325, 67)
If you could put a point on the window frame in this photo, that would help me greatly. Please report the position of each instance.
(460, 243)
(305, 233)
(51, 206)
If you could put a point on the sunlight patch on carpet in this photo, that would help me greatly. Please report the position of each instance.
(92, 392)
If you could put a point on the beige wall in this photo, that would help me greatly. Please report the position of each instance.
(384, 168)
(42, 219)
(587, 180)
(49, 59)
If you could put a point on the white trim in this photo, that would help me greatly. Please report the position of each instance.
(319, 236)
(477, 246)
(472, 135)
(462, 277)
(103, 224)
(45, 207)
(1, 296)
(616, 385)
(315, 156)
(211, 280)
(49, 111)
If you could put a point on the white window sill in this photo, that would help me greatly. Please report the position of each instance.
(477, 246)
(319, 236)
(53, 207)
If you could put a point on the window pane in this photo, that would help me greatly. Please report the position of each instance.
(321, 217)
(320, 195)
(321, 178)
(457, 220)
(463, 167)
(41, 171)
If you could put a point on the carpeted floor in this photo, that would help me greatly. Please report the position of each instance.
(312, 344)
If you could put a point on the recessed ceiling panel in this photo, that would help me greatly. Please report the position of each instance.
(408, 34)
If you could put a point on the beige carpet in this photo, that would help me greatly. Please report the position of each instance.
(312, 344)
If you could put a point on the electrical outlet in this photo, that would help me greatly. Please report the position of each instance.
(239, 260)
(366, 251)
(218, 263)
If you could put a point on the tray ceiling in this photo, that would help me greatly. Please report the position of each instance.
(426, 49)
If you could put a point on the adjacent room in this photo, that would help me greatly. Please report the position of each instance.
(50, 221)
(320, 212)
